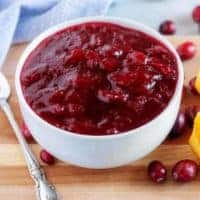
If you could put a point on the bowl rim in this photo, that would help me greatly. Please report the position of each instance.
(129, 23)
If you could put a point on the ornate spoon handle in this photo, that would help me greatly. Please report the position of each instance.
(45, 191)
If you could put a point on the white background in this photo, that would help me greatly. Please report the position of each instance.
(153, 12)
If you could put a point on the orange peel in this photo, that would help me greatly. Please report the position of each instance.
(197, 83)
(194, 139)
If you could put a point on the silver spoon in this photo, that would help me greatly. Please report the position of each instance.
(45, 191)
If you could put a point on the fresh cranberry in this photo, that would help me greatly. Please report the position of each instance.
(192, 86)
(186, 50)
(167, 27)
(46, 157)
(26, 132)
(196, 14)
(185, 171)
(179, 126)
(191, 112)
(157, 171)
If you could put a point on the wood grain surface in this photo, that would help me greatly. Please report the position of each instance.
(124, 183)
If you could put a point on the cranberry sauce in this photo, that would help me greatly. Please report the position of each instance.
(99, 78)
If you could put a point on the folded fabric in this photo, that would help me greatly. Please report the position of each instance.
(22, 20)
(35, 6)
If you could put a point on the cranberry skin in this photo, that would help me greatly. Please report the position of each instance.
(192, 87)
(196, 14)
(191, 112)
(77, 55)
(108, 96)
(135, 57)
(186, 50)
(167, 28)
(157, 172)
(185, 171)
(110, 64)
(179, 126)
(26, 132)
(46, 157)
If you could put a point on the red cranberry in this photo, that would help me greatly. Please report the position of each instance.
(196, 14)
(167, 27)
(191, 112)
(192, 87)
(26, 133)
(46, 157)
(179, 126)
(186, 50)
(157, 171)
(185, 171)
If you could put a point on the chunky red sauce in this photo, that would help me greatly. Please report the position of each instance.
(99, 78)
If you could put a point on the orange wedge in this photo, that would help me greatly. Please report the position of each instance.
(197, 83)
(194, 140)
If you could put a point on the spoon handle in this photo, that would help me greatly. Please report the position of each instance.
(45, 191)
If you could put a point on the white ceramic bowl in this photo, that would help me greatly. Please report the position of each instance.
(100, 151)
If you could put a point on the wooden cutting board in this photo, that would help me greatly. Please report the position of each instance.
(74, 183)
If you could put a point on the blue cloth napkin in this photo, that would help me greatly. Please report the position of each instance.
(22, 20)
